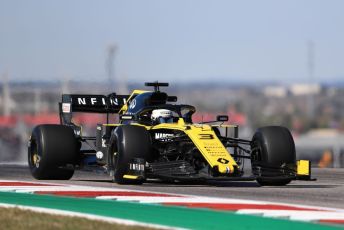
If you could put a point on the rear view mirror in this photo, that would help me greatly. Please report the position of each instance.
(222, 118)
(172, 99)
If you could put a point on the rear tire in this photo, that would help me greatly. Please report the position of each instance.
(50, 148)
(128, 142)
(273, 149)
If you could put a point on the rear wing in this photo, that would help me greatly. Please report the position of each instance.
(89, 104)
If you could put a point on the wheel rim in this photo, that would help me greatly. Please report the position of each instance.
(255, 155)
(35, 158)
(115, 159)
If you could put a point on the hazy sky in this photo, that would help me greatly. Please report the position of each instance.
(172, 40)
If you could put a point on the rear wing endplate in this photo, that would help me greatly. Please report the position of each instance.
(89, 104)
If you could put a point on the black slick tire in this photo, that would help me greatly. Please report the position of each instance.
(128, 142)
(51, 148)
(273, 148)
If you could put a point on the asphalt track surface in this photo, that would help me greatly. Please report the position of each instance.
(327, 191)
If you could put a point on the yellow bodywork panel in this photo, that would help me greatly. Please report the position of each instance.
(207, 143)
(114, 125)
(130, 177)
(211, 148)
(303, 168)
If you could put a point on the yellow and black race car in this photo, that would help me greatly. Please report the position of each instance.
(156, 138)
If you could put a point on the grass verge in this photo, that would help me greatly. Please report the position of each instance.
(18, 219)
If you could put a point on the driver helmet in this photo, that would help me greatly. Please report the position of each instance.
(162, 116)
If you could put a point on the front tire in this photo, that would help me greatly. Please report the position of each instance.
(274, 154)
(127, 143)
(51, 148)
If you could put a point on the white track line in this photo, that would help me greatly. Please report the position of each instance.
(295, 215)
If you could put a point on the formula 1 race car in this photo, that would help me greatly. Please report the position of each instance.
(156, 138)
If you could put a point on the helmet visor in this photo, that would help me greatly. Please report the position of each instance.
(165, 120)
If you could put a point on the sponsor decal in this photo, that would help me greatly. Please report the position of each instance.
(99, 155)
(115, 101)
(204, 136)
(104, 143)
(77, 132)
(132, 104)
(66, 107)
(159, 136)
(99, 100)
(81, 101)
(222, 161)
